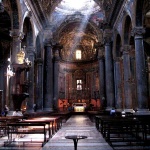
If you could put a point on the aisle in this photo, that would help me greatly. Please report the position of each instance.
(78, 125)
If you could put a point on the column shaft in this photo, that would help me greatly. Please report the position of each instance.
(141, 75)
(48, 79)
(127, 79)
(109, 74)
(39, 88)
(118, 84)
(57, 47)
(31, 100)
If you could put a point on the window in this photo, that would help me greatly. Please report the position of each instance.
(78, 54)
(79, 84)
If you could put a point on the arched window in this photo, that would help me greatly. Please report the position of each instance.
(79, 84)
(78, 54)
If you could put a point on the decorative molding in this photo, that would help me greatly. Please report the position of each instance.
(41, 15)
(117, 59)
(16, 34)
(138, 31)
(115, 8)
(125, 49)
(107, 36)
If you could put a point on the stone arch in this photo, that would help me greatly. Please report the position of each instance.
(28, 33)
(95, 29)
(118, 46)
(127, 29)
(73, 33)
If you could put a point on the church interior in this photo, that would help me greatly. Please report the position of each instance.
(68, 66)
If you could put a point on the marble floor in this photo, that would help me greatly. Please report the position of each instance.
(78, 125)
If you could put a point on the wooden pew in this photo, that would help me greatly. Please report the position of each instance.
(48, 122)
(118, 126)
(17, 128)
(8, 119)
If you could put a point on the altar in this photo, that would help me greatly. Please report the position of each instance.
(79, 107)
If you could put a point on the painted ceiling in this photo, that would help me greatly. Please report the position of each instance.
(76, 27)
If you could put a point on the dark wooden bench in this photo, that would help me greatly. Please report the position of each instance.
(18, 128)
(5, 120)
(124, 129)
(55, 122)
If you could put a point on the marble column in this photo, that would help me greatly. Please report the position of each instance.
(17, 37)
(48, 78)
(56, 50)
(39, 88)
(118, 83)
(31, 100)
(101, 65)
(109, 73)
(141, 74)
(133, 74)
(127, 79)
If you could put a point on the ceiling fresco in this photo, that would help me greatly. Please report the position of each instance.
(71, 26)
(74, 23)
(72, 38)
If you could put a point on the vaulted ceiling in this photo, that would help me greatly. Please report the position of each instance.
(72, 28)
(75, 26)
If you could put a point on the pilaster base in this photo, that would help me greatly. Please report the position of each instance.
(142, 112)
(109, 108)
(48, 109)
(129, 110)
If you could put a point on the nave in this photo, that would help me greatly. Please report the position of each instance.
(78, 125)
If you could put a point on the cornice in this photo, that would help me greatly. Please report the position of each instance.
(116, 6)
(41, 16)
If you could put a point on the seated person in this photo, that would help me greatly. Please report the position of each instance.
(112, 112)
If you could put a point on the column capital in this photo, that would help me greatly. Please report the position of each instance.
(107, 36)
(57, 46)
(56, 50)
(117, 59)
(125, 49)
(100, 49)
(101, 53)
(98, 45)
(49, 42)
(138, 31)
(15, 33)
